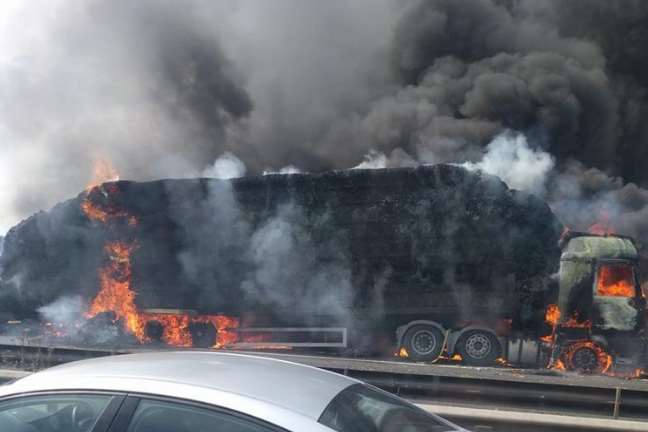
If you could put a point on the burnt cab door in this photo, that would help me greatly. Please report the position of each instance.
(618, 301)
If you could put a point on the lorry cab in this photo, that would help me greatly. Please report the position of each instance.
(600, 297)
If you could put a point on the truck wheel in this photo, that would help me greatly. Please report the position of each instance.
(423, 342)
(586, 358)
(585, 361)
(203, 335)
(479, 348)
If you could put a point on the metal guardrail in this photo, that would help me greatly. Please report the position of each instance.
(565, 400)
(448, 385)
(507, 420)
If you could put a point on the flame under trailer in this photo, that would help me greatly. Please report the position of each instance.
(425, 262)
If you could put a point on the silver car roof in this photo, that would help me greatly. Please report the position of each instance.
(236, 381)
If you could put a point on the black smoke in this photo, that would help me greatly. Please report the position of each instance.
(569, 76)
(145, 85)
(163, 88)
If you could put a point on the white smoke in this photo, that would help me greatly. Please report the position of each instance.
(373, 160)
(161, 88)
(226, 167)
(578, 195)
(281, 260)
(65, 310)
(295, 272)
(64, 314)
(510, 157)
(288, 169)
(65, 317)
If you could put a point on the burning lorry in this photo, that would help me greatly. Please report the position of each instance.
(429, 262)
(599, 318)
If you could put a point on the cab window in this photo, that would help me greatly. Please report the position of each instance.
(615, 280)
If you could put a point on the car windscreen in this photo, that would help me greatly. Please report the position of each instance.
(360, 408)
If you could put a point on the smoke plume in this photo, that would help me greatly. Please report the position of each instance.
(520, 167)
(296, 272)
(163, 88)
(277, 261)
(225, 167)
(582, 196)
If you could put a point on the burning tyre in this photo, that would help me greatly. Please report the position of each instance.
(203, 334)
(423, 342)
(586, 357)
(479, 348)
(154, 331)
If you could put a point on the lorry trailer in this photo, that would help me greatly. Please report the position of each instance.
(424, 262)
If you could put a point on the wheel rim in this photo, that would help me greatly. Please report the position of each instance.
(585, 359)
(424, 342)
(478, 346)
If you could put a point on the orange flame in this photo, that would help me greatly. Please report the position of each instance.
(100, 214)
(552, 315)
(115, 295)
(566, 358)
(176, 330)
(403, 353)
(224, 325)
(602, 227)
(115, 292)
(615, 281)
(599, 229)
(559, 365)
(104, 211)
(604, 360)
(547, 338)
(502, 361)
(103, 172)
(565, 361)
(574, 322)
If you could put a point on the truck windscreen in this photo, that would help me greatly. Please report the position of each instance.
(615, 280)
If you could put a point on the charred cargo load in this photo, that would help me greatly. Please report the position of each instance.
(435, 237)
(366, 249)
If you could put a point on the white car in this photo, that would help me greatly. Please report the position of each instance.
(203, 392)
